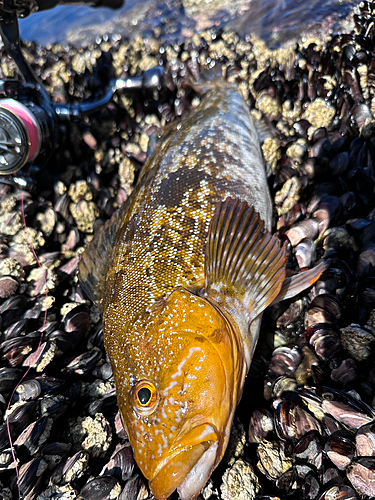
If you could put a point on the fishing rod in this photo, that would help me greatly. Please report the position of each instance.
(29, 120)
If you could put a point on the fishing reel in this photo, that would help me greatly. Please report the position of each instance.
(29, 120)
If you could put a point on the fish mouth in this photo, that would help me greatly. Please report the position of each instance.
(199, 474)
(188, 467)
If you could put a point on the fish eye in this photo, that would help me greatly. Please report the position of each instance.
(145, 396)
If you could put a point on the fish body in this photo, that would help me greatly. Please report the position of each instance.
(182, 274)
(211, 155)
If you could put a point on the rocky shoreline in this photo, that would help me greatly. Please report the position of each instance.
(315, 359)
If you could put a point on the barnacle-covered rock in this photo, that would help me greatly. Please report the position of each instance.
(65, 492)
(272, 459)
(288, 196)
(92, 434)
(126, 173)
(358, 341)
(41, 279)
(70, 469)
(239, 482)
(319, 113)
(84, 213)
(11, 267)
(10, 223)
(271, 152)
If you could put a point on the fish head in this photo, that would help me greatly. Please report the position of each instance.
(177, 399)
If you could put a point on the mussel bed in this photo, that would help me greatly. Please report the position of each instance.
(305, 427)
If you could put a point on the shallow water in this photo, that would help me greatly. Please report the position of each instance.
(277, 21)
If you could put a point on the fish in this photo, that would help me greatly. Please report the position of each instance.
(182, 274)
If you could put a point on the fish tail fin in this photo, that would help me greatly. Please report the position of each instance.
(245, 264)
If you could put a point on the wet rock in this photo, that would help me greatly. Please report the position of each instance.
(8, 286)
(240, 482)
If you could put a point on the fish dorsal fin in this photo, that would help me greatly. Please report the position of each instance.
(245, 264)
(96, 259)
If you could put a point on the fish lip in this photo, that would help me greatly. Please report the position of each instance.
(198, 476)
(179, 452)
(176, 448)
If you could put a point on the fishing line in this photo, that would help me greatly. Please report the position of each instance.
(39, 345)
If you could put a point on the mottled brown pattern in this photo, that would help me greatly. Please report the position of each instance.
(163, 244)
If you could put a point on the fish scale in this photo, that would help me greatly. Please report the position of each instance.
(182, 274)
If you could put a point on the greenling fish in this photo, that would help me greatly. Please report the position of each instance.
(182, 274)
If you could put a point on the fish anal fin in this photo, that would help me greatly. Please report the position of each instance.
(244, 264)
(294, 285)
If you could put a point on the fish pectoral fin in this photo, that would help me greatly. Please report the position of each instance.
(96, 258)
(244, 264)
(294, 285)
